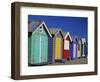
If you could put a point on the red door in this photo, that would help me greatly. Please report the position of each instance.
(64, 54)
(68, 54)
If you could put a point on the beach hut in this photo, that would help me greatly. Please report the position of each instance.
(79, 48)
(57, 36)
(74, 48)
(38, 35)
(84, 47)
(66, 48)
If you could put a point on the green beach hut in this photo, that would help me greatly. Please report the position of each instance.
(38, 35)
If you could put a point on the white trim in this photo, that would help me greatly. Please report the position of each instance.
(68, 34)
(45, 27)
(58, 31)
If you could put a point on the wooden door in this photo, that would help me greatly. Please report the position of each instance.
(44, 49)
(58, 48)
(36, 49)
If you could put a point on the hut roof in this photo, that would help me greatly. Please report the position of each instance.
(83, 40)
(32, 26)
(68, 34)
(54, 31)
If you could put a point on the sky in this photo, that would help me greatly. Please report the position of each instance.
(76, 26)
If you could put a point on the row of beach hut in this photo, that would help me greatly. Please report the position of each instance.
(47, 46)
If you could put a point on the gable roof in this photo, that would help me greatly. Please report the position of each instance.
(68, 34)
(74, 38)
(54, 31)
(32, 26)
(59, 30)
(83, 40)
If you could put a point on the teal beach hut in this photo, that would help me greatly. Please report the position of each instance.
(38, 35)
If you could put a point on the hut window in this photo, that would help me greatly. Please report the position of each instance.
(40, 29)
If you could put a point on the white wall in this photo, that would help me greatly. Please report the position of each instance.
(5, 39)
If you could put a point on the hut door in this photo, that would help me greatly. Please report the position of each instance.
(74, 51)
(58, 48)
(36, 49)
(40, 49)
(44, 48)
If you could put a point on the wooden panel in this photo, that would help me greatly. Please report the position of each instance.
(68, 54)
(58, 48)
(44, 48)
(35, 56)
(64, 54)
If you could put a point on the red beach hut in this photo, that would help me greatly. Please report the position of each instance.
(66, 49)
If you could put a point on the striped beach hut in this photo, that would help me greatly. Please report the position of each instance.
(38, 35)
(66, 48)
(57, 36)
(74, 48)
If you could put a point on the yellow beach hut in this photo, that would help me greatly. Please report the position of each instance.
(57, 36)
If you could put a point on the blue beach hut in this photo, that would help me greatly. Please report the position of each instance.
(74, 48)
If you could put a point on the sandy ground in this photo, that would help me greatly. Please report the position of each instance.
(66, 62)
(71, 62)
